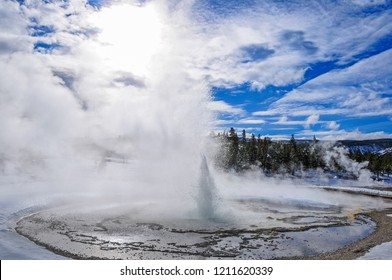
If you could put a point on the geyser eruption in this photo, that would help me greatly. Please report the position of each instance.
(207, 198)
(124, 96)
(107, 126)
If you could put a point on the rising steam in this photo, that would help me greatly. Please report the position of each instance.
(106, 114)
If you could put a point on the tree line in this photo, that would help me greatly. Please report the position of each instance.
(239, 153)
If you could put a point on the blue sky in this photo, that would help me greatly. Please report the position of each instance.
(324, 68)
(274, 68)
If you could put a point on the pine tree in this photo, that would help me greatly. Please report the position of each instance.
(252, 150)
(233, 151)
(243, 160)
(357, 155)
(293, 157)
(266, 158)
(259, 150)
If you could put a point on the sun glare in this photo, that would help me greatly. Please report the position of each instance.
(129, 36)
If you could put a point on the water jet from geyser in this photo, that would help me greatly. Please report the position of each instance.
(207, 196)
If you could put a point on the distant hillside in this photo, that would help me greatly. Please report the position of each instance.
(380, 146)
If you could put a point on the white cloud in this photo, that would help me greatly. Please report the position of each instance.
(250, 121)
(369, 2)
(223, 107)
(283, 120)
(309, 110)
(342, 134)
(282, 46)
(221, 122)
(270, 112)
(40, 106)
(311, 120)
(333, 125)
(13, 31)
(355, 91)
(306, 123)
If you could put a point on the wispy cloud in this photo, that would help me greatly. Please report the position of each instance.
(306, 123)
(273, 44)
(343, 135)
(333, 125)
(224, 108)
(357, 90)
(308, 65)
(250, 121)
(319, 59)
(311, 120)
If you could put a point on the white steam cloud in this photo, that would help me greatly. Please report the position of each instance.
(104, 95)
(116, 101)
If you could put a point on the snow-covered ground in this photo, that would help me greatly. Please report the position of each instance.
(12, 245)
(379, 252)
(362, 190)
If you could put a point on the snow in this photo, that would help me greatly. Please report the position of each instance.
(14, 206)
(379, 252)
(371, 149)
(386, 151)
(361, 190)
(366, 149)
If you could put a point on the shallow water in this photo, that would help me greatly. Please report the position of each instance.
(121, 233)
(253, 223)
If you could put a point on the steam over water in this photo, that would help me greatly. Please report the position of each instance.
(115, 117)
(112, 116)
(116, 120)
(117, 113)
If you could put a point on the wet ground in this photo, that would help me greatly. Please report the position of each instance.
(298, 229)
